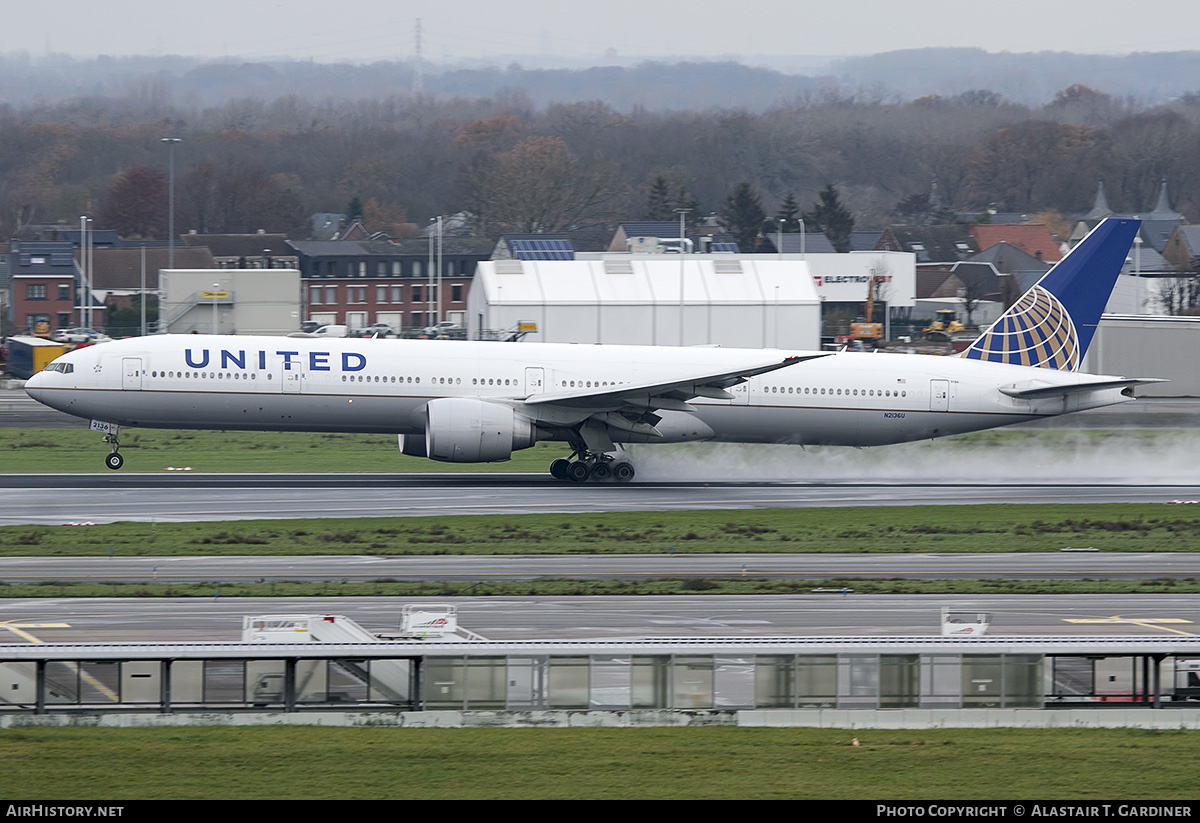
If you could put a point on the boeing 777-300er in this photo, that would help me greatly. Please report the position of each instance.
(474, 402)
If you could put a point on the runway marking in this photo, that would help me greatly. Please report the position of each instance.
(16, 628)
(1145, 622)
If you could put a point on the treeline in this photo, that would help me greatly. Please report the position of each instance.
(254, 163)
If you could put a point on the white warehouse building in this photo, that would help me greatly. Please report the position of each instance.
(746, 301)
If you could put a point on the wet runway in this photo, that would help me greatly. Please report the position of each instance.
(59, 499)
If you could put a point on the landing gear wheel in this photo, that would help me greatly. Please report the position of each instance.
(578, 471)
(601, 472)
(623, 472)
(559, 468)
(114, 461)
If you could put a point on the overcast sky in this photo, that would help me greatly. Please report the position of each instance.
(365, 30)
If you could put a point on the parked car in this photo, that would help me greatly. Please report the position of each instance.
(446, 328)
(79, 335)
(376, 330)
(309, 326)
(332, 330)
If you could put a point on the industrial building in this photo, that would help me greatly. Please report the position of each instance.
(229, 301)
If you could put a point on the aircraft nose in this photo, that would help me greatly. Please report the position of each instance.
(33, 384)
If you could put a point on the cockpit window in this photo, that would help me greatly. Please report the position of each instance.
(65, 368)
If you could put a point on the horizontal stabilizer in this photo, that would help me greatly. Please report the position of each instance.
(1038, 388)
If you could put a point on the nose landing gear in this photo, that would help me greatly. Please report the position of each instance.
(114, 460)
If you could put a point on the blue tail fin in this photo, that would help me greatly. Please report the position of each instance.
(1053, 323)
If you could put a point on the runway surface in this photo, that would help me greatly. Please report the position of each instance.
(526, 618)
(58, 499)
(1024, 566)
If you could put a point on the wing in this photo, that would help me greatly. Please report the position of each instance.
(594, 415)
(671, 395)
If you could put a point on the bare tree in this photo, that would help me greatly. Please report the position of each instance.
(539, 186)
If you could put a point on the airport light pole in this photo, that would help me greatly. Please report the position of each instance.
(89, 273)
(439, 271)
(143, 299)
(216, 288)
(800, 220)
(82, 271)
(682, 240)
(429, 321)
(171, 143)
(779, 246)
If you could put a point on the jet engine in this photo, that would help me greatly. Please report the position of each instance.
(469, 430)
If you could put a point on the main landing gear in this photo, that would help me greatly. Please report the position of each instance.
(598, 467)
(114, 460)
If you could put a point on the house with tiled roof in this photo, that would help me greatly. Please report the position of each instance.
(953, 285)
(1183, 249)
(931, 244)
(1034, 239)
(44, 285)
(118, 272)
(258, 250)
(1008, 259)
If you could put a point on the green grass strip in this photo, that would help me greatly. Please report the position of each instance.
(883, 529)
(322, 763)
(555, 587)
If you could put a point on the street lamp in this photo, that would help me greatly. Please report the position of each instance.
(171, 143)
(440, 266)
(779, 245)
(800, 220)
(682, 240)
(429, 318)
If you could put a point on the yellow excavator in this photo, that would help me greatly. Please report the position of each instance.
(946, 324)
(868, 330)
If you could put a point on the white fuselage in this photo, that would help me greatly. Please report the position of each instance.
(369, 385)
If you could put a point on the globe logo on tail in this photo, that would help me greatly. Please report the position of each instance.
(1036, 331)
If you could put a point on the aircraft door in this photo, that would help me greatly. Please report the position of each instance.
(131, 373)
(939, 395)
(293, 376)
(535, 380)
(741, 393)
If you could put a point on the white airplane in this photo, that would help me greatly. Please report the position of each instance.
(474, 402)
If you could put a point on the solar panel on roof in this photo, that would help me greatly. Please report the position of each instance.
(542, 249)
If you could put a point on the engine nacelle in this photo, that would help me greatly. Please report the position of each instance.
(469, 430)
(412, 444)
